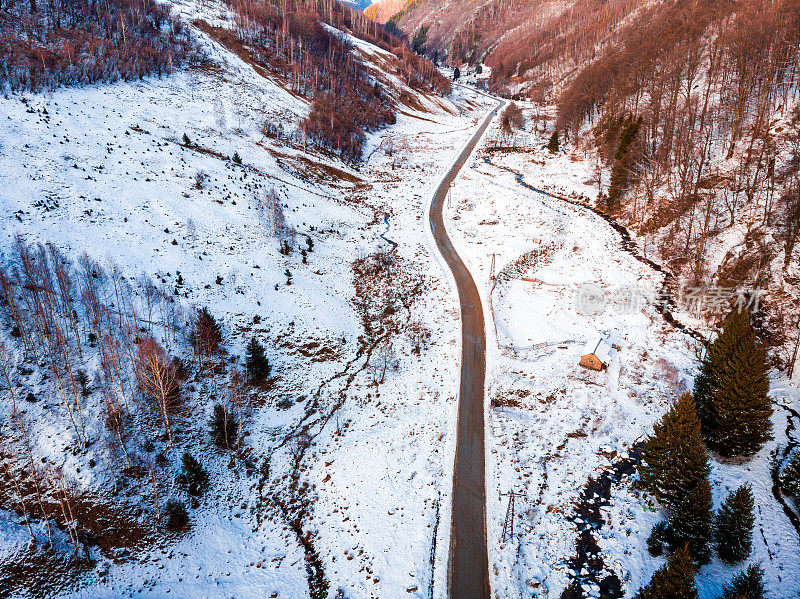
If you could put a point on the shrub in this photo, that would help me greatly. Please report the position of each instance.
(790, 477)
(176, 515)
(196, 477)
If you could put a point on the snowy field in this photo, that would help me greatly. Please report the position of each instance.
(106, 170)
(553, 425)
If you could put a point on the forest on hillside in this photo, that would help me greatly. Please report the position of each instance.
(44, 45)
(302, 42)
(293, 39)
(697, 115)
(691, 105)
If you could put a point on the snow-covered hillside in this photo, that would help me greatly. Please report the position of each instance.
(358, 4)
(172, 179)
(558, 433)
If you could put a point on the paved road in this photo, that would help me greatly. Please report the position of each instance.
(468, 571)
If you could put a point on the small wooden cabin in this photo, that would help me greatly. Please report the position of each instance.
(595, 354)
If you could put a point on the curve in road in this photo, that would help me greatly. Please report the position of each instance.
(468, 570)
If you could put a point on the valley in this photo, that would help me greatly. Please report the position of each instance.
(296, 305)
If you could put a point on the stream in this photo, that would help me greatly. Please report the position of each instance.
(394, 244)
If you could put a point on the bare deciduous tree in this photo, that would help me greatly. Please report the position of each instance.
(158, 381)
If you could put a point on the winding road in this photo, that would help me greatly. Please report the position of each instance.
(468, 570)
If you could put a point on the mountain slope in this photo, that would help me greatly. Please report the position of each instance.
(690, 107)
(198, 190)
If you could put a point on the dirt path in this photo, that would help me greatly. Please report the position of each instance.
(468, 571)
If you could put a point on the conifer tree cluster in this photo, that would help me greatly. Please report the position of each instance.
(732, 390)
(674, 469)
(622, 166)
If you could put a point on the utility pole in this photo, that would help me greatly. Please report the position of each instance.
(508, 523)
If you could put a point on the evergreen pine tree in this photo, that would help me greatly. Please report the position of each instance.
(552, 145)
(703, 392)
(223, 427)
(733, 531)
(418, 43)
(733, 390)
(256, 362)
(207, 334)
(674, 460)
(196, 477)
(691, 523)
(675, 580)
(657, 539)
(705, 385)
(623, 162)
(630, 128)
(746, 585)
(616, 187)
